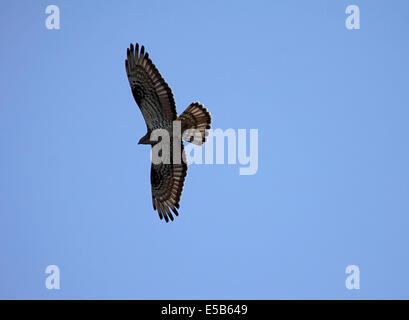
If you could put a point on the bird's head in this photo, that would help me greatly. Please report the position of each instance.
(145, 139)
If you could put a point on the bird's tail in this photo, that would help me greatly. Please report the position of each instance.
(195, 121)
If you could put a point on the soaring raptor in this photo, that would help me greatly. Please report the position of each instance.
(156, 102)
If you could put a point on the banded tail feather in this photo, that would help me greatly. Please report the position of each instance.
(198, 118)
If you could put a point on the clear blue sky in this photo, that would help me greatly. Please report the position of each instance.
(332, 109)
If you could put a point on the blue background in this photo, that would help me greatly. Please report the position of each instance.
(332, 109)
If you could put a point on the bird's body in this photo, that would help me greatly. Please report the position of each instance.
(156, 102)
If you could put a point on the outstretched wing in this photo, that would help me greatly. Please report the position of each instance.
(150, 90)
(167, 185)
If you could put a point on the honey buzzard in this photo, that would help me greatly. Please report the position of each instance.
(156, 102)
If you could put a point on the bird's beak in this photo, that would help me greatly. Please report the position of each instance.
(141, 140)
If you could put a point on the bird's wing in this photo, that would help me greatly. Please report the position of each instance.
(150, 90)
(167, 185)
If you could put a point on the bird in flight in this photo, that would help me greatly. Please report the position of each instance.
(156, 102)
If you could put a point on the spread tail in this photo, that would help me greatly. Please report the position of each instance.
(195, 117)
